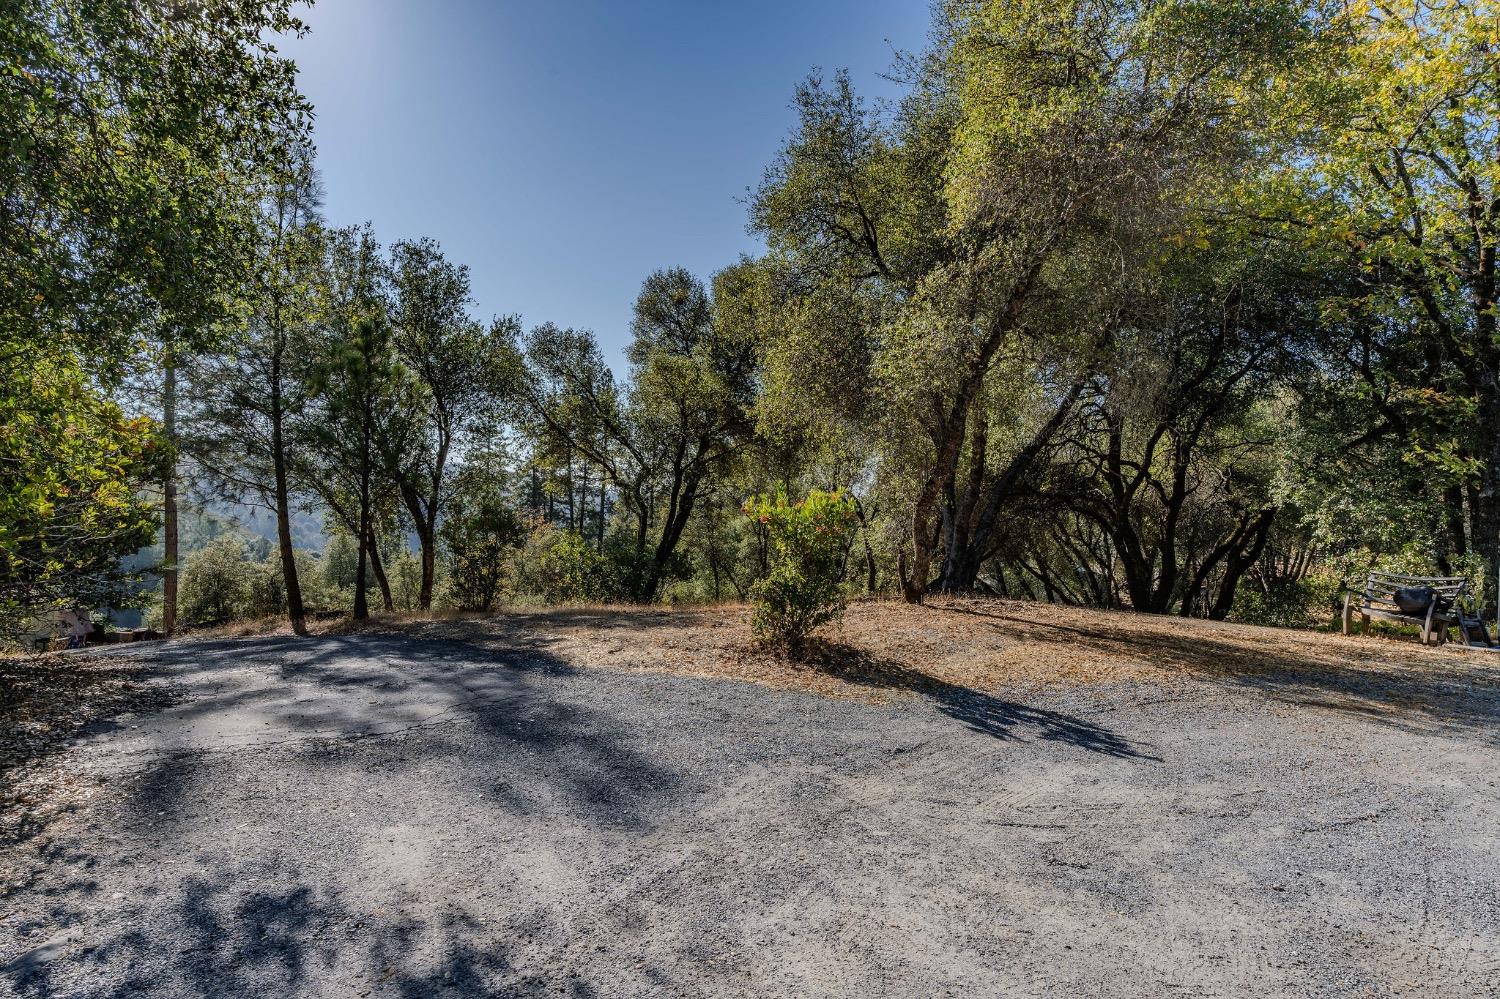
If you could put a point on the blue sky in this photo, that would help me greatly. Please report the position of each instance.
(565, 150)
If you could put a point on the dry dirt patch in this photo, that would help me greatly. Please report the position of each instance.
(888, 647)
(45, 702)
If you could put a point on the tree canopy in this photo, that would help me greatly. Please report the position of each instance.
(1138, 303)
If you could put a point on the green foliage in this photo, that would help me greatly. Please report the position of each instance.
(316, 594)
(1125, 302)
(478, 539)
(133, 132)
(405, 572)
(267, 594)
(954, 273)
(132, 136)
(70, 502)
(217, 584)
(1309, 602)
(224, 582)
(462, 374)
(481, 530)
(1376, 179)
(339, 562)
(561, 567)
(681, 418)
(809, 542)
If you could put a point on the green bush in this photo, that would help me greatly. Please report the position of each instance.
(804, 589)
(1309, 602)
(404, 573)
(478, 540)
(267, 591)
(216, 584)
(340, 562)
(561, 567)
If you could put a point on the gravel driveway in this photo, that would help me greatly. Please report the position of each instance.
(396, 816)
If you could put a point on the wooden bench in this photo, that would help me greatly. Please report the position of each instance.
(1445, 611)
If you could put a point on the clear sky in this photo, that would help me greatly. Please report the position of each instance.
(564, 150)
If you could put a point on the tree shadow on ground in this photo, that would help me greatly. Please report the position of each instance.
(314, 695)
(524, 745)
(47, 701)
(264, 929)
(1428, 691)
(977, 710)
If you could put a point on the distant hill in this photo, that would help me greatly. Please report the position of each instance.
(307, 528)
(199, 524)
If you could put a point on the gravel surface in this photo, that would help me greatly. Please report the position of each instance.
(390, 815)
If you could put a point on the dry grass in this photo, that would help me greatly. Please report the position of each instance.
(887, 646)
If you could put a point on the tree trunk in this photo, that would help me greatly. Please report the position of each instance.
(422, 518)
(169, 496)
(603, 497)
(377, 568)
(976, 525)
(295, 611)
(671, 533)
(914, 583)
(864, 537)
(428, 539)
(1239, 562)
(361, 599)
(1486, 508)
(427, 528)
(294, 608)
(423, 512)
(572, 500)
(1453, 507)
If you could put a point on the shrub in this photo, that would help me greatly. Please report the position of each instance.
(478, 539)
(340, 561)
(804, 589)
(266, 595)
(216, 583)
(561, 567)
(1309, 602)
(404, 573)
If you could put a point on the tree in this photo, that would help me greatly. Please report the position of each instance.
(690, 393)
(74, 469)
(681, 419)
(218, 582)
(132, 129)
(461, 367)
(249, 392)
(1167, 458)
(357, 383)
(996, 224)
(1393, 177)
(480, 532)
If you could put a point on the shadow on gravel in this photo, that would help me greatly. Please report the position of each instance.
(979, 711)
(315, 696)
(45, 702)
(259, 929)
(218, 936)
(1460, 693)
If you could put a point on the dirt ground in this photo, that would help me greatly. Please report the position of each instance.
(971, 798)
(885, 647)
(46, 701)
